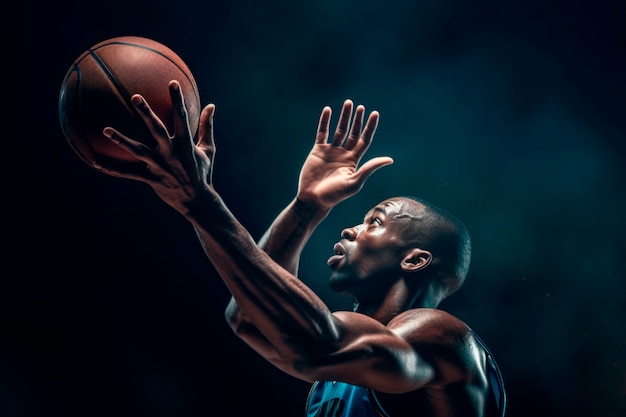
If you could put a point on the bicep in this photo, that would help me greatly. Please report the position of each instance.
(415, 349)
(370, 354)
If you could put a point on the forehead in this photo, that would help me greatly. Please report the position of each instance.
(398, 207)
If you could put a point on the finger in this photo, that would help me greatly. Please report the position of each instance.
(135, 148)
(343, 124)
(205, 131)
(323, 125)
(132, 173)
(155, 126)
(182, 134)
(368, 168)
(355, 130)
(367, 135)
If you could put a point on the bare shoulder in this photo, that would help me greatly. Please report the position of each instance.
(422, 322)
(442, 340)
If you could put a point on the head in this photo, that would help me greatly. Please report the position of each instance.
(402, 240)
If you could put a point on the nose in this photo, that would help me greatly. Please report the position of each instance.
(350, 233)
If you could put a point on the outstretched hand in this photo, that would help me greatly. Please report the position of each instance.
(330, 173)
(177, 169)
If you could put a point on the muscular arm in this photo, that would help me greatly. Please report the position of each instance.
(283, 242)
(329, 175)
(307, 340)
(296, 330)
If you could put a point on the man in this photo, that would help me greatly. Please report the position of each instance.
(396, 354)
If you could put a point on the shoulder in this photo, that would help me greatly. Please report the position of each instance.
(429, 323)
(442, 340)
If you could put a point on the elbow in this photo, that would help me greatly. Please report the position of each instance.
(234, 317)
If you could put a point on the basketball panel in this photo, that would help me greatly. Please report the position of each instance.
(89, 102)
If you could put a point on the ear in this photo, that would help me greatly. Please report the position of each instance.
(416, 259)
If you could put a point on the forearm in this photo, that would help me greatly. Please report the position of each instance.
(272, 298)
(286, 237)
(283, 241)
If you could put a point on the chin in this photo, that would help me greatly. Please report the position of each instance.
(341, 282)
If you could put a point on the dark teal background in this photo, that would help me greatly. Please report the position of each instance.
(510, 114)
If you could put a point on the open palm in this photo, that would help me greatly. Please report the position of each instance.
(330, 173)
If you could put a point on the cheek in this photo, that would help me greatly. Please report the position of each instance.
(376, 251)
(370, 261)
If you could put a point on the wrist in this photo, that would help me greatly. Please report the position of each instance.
(201, 204)
(309, 209)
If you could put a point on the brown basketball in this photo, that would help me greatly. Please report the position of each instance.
(98, 87)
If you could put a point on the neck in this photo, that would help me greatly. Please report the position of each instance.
(399, 298)
(427, 298)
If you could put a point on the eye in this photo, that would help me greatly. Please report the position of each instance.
(376, 220)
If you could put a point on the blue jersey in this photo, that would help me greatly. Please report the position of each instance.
(338, 399)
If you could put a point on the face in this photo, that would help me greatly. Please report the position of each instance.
(367, 259)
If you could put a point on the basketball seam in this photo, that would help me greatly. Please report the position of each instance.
(182, 70)
(123, 92)
(77, 70)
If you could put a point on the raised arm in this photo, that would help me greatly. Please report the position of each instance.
(329, 175)
(299, 333)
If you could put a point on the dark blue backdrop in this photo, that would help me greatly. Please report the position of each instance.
(509, 114)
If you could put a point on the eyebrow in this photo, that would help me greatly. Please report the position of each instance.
(375, 210)
(382, 210)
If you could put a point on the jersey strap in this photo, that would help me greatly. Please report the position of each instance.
(494, 374)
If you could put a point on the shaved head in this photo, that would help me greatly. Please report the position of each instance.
(439, 232)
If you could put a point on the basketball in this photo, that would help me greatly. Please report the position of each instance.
(97, 89)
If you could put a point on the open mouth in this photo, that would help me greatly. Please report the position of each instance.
(339, 249)
(339, 252)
